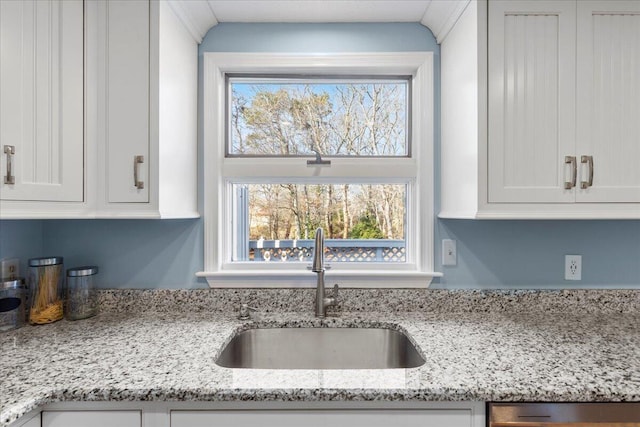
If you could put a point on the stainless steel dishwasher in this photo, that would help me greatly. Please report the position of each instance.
(564, 414)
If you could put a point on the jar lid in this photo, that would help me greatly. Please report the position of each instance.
(82, 271)
(41, 262)
(12, 283)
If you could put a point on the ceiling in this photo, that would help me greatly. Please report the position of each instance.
(437, 15)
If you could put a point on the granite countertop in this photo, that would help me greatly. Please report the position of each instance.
(476, 356)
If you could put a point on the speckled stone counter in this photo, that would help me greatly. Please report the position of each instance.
(494, 354)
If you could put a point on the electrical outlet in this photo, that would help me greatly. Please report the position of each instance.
(9, 268)
(572, 267)
(449, 253)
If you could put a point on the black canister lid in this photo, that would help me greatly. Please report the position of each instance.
(82, 271)
(41, 262)
(15, 283)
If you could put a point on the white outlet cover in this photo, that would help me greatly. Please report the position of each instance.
(449, 252)
(573, 267)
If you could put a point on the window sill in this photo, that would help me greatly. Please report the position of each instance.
(298, 279)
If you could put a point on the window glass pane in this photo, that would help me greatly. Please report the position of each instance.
(336, 117)
(361, 222)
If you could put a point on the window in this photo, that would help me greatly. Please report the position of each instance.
(294, 142)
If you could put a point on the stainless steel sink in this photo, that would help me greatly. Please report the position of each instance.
(320, 348)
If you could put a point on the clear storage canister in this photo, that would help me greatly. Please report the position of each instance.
(12, 302)
(81, 299)
(46, 277)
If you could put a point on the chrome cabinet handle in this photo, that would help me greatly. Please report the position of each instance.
(136, 182)
(589, 161)
(10, 151)
(571, 160)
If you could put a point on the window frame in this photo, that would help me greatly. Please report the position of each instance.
(416, 170)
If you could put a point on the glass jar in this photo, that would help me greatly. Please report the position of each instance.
(45, 290)
(81, 299)
(12, 303)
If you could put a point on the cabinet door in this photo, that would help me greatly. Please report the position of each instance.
(34, 421)
(41, 106)
(127, 100)
(91, 419)
(609, 100)
(531, 100)
(323, 418)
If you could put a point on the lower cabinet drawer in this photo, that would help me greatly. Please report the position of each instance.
(323, 418)
(91, 419)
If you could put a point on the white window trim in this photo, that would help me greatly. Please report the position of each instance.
(417, 273)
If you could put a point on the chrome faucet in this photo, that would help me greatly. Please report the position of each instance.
(322, 301)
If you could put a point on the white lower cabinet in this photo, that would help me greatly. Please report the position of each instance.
(29, 421)
(33, 422)
(263, 414)
(323, 418)
(91, 419)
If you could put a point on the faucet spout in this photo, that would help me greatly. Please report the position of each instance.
(322, 302)
(318, 252)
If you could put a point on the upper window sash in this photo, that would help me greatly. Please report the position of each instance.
(337, 116)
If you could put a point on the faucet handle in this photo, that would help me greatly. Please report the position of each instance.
(332, 301)
(245, 312)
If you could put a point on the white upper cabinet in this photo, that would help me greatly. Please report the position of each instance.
(608, 100)
(532, 71)
(41, 106)
(147, 71)
(98, 111)
(126, 91)
(554, 91)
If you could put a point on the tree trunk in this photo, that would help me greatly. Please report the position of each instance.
(294, 207)
(345, 212)
(329, 213)
(307, 211)
(387, 215)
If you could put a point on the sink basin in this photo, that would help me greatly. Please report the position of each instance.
(320, 348)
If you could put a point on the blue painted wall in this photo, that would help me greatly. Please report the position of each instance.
(23, 240)
(131, 253)
(530, 254)
(496, 254)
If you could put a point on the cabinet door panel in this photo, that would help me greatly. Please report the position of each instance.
(41, 107)
(127, 119)
(609, 99)
(326, 418)
(531, 100)
(91, 419)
